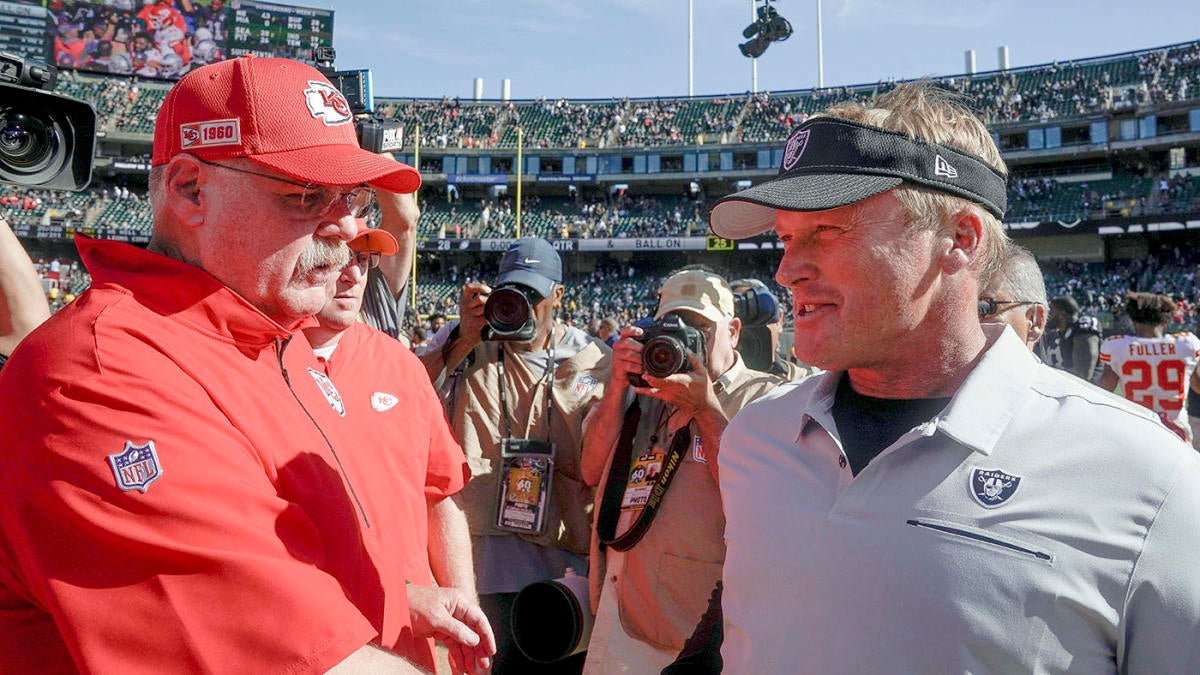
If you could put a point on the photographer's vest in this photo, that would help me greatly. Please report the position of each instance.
(670, 572)
(578, 384)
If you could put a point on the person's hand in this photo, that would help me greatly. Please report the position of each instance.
(470, 309)
(626, 359)
(449, 615)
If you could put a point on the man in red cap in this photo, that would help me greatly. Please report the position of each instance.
(185, 490)
(389, 399)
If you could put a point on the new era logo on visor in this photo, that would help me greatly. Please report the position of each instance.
(794, 149)
(942, 168)
(326, 103)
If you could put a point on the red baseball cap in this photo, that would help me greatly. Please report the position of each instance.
(280, 113)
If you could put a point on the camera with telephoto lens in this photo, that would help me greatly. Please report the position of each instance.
(509, 313)
(46, 139)
(375, 132)
(666, 344)
(757, 307)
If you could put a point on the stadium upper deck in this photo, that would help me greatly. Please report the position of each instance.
(1114, 136)
(1034, 94)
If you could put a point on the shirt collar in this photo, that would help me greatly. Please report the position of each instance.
(182, 291)
(988, 400)
(978, 412)
(726, 380)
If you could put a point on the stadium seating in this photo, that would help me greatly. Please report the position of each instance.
(1035, 93)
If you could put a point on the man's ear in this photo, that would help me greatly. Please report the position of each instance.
(557, 294)
(966, 238)
(735, 331)
(1037, 323)
(184, 177)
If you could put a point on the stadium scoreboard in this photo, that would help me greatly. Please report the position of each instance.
(269, 29)
(23, 29)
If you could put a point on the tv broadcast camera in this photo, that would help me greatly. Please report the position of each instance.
(46, 139)
(769, 27)
(758, 309)
(375, 132)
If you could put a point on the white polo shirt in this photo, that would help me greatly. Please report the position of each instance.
(1036, 524)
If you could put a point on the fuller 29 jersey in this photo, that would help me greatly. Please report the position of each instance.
(1154, 371)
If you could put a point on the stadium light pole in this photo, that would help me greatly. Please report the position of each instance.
(691, 46)
(820, 51)
(412, 297)
(753, 61)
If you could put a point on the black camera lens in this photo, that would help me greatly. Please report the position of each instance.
(507, 310)
(664, 355)
(28, 144)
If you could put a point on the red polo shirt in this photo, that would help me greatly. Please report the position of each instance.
(181, 491)
(391, 403)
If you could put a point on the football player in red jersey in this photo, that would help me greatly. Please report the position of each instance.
(1152, 367)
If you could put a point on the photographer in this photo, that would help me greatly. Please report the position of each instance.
(655, 560)
(516, 402)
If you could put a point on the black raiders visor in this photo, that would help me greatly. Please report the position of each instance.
(829, 162)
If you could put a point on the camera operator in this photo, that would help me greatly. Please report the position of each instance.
(766, 337)
(658, 543)
(519, 388)
(23, 303)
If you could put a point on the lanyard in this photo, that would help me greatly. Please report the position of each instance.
(546, 380)
(618, 477)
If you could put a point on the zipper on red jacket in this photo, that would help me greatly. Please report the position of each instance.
(280, 344)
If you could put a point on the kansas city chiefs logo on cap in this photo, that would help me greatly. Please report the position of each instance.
(326, 103)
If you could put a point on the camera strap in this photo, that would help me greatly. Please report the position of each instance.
(618, 479)
(547, 380)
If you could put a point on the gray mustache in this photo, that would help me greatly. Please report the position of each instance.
(320, 252)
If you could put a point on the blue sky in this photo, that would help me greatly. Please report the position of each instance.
(605, 48)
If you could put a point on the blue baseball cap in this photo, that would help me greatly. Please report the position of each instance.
(531, 262)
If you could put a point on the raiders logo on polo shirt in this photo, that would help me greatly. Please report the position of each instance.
(993, 487)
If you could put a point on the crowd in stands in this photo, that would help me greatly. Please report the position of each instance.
(62, 279)
(1100, 288)
(445, 216)
(1039, 93)
(626, 292)
(111, 209)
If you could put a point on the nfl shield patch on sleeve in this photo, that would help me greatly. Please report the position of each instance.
(136, 467)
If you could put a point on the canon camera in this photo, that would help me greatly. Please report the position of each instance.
(666, 344)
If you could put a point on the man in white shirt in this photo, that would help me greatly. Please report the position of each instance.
(938, 500)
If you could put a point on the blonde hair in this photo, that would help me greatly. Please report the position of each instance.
(923, 111)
